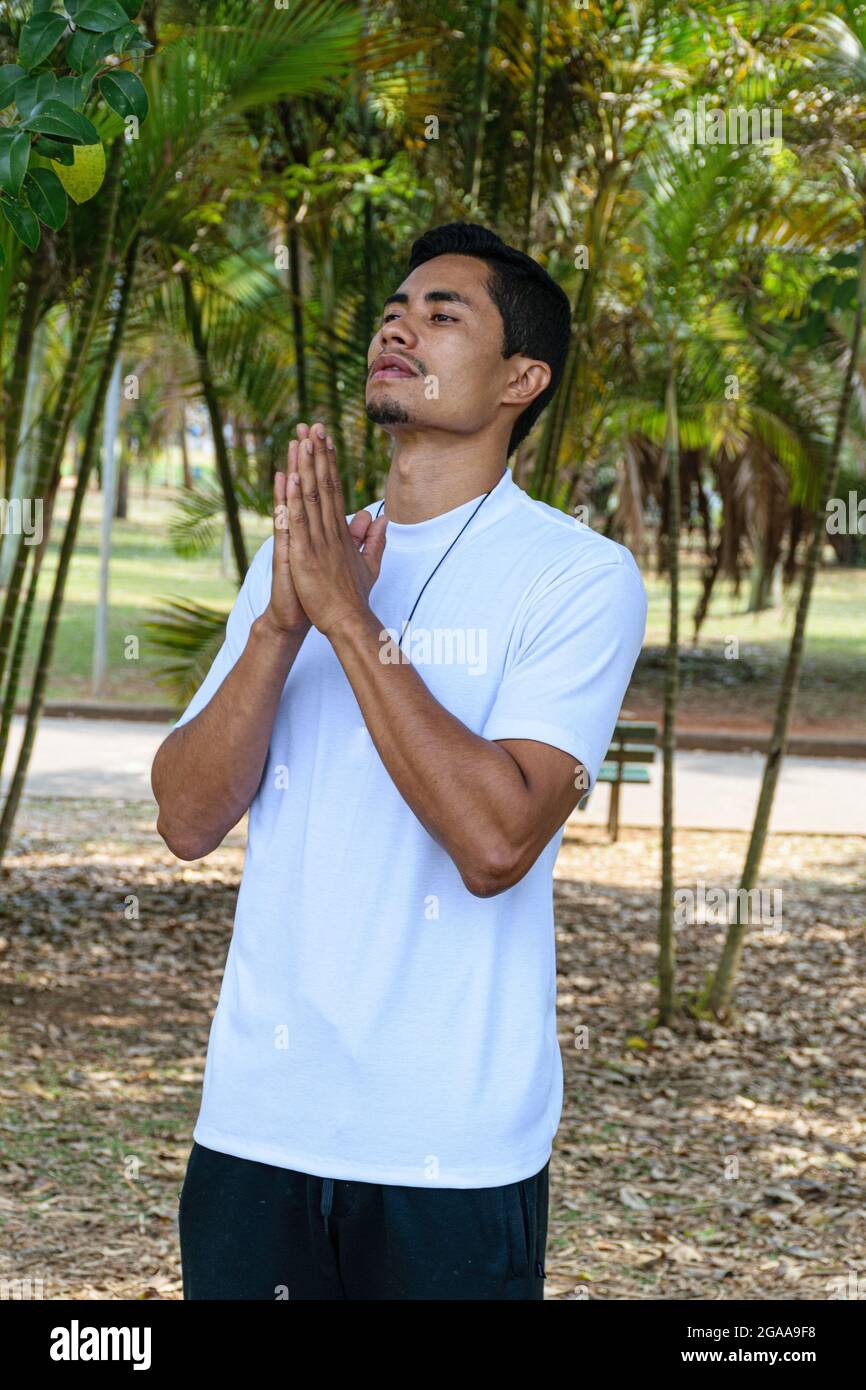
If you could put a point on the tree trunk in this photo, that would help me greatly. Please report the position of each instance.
(20, 648)
(46, 650)
(56, 429)
(667, 940)
(708, 582)
(20, 368)
(721, 987)
(184, 450)
(121, 508)
(536, 120)
(294, 241)
(214, 410)
(478, 113)
(344, 462)
(29, 437)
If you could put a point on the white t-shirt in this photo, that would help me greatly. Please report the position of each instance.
(377, 1021)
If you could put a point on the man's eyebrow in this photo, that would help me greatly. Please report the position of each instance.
(432, 297)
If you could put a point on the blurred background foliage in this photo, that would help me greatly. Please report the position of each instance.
(248, 235)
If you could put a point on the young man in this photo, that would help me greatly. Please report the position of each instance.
(383, 1078)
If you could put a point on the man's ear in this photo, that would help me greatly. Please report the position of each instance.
(527, 379)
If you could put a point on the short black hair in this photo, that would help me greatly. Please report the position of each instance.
(535, 312)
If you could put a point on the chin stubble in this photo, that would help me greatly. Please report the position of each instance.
(387, 411)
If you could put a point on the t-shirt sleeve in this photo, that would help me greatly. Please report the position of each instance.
(578, 643)
(252, 599)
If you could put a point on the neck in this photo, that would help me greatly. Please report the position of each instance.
(430, 476)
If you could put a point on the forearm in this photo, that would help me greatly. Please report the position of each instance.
(207, 772)
(468, 793)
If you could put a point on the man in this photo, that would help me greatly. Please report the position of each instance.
(383, 1080)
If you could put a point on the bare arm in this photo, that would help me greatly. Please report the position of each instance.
(492, 806)
(207, 772)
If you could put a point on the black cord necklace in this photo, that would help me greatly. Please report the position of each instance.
(447, 552)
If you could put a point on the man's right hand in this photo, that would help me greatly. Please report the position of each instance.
(284, 612)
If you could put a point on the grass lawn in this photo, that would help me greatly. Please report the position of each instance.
(722, 683)
(144, 570)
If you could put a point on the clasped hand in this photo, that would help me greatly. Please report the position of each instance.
(324, 567)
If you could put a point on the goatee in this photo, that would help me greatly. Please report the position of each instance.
(387, 411)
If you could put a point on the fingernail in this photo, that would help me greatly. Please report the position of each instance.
(308, 446)
(320, 431)
(329, 441)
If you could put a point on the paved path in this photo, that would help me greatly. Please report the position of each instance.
(714, 791)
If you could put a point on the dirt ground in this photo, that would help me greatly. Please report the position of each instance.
(701, 1162)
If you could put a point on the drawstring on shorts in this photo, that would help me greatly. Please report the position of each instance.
(327, 1200)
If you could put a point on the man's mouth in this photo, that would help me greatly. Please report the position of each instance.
(390, 368)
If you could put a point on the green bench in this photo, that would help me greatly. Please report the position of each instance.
(632, 750)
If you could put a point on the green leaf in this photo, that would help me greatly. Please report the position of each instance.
(14, 158)
(51, 117)
(2, 257)
(70, 90)
(99, 46)
(40, 6)
(47, 197)
(10, 76)
(101, 15)
(77, 48)
(39, 37)
(55, 149)
(118, 41)
(132, 7)
(23, 222)
(32, 90)
(124, 93)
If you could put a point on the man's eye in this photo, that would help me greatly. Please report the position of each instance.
(448, 317)
(387, 317)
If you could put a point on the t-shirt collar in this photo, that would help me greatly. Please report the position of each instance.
(441, 529)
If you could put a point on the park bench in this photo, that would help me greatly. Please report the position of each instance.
(627, 760)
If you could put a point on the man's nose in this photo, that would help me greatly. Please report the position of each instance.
(398, 331)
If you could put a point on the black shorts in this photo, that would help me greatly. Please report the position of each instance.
(252, 1231)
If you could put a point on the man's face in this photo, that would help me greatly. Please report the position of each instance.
(436, 361)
